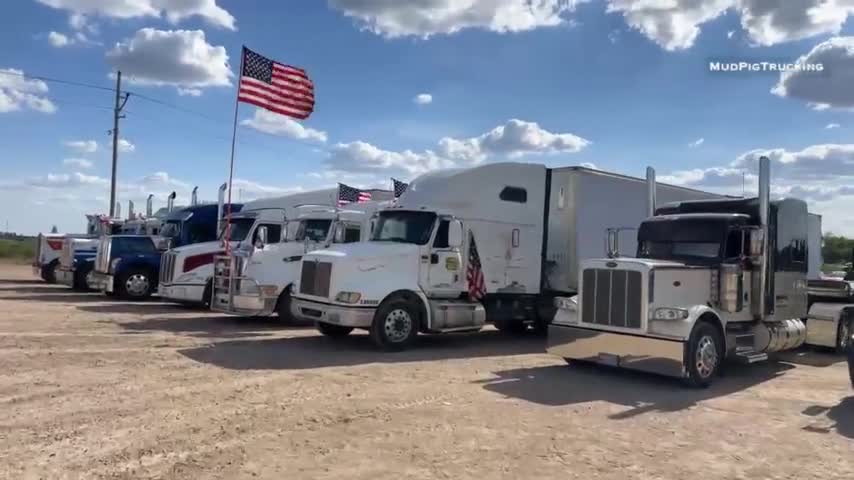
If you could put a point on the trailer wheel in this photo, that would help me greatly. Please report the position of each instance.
(136, 284)
(49, 272)
(283, 308)
(334, 331)
(705, 355)
(843, 334)
(395, 325)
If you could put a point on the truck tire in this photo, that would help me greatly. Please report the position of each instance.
(395, 325)
(49, 272)
(851, 364)
(135, 284)
(207, 293)
(705, 355)
(510, 326)
(843, 334)
(283, 309)
(334, 331)
(79, 282)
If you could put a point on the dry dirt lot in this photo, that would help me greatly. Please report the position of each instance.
(94, 388)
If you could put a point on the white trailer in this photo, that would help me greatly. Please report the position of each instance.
(531, 225)
(714, 279)
(257, 279)
(186, 273)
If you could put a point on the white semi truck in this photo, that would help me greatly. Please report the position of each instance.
(714, 279)
(528, 225)
(186, 273)
(257, 279)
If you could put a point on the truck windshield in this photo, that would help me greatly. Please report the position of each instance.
(314, 230)
(404, 227)
(240, 228)
(171, 229)
(692, 241)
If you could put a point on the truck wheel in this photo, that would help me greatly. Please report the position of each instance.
(49, 272)
(206, 295)
(843, 334)
(79, 282)
(334, 331)
(395, 325)
(283, 309)
(513, 327)
(135, 284)
(851, 364)
(705, 355)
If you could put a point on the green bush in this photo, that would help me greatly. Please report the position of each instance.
(17, 250)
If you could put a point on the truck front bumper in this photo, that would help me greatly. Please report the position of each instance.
(636, 352)
(65, 276)
(102, 282)
(357, 317)
(183, 292)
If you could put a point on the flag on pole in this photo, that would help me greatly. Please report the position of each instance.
(399, 187)
(348, 194)
(274, 86)
(474, 272)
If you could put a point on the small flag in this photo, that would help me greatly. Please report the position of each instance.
(399, 187)
(474, 272)
(276, 87)
(348, 194)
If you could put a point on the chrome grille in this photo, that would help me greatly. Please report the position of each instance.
(66, 257)
(167, 267)
(315, 277)
(612, 297)
(102, 256)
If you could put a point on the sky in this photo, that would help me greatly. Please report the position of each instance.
(403, 88)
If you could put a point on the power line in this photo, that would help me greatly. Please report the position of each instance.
(58, 80)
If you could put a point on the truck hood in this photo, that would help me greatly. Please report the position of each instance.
(198, 248)
(385, 252)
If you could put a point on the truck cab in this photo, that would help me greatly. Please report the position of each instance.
(78, 252)
(712, 280)
(258, 278)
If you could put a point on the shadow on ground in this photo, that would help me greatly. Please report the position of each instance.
(811, 356)
(70, 296)
(841, 416)
(213, 326)
(43, 288)
(579, 382)
(144, 307)
(306, 352)
(6, 281)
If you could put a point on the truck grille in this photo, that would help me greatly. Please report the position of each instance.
(612, 297)
(314, 279)
(102, 257)
(167, 267)
(66, 258)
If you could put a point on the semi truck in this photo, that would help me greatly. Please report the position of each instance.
(713, 279)
(186, 272)
(257, 279)
(128, 266)
(459, 247)
(49, 247)
(830, 319)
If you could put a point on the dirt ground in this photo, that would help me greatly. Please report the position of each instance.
(95, 388)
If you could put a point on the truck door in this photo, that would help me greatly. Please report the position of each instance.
(444, 267)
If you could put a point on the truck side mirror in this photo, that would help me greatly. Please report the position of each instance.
(261, 237)
(757, 241)
(340, 229)
(455, 234)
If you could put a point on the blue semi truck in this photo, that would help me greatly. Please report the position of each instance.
(128, 266)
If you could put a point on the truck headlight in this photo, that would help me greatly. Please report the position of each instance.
(669, 313)
(114, 264)
(348, 297)
(566, 303)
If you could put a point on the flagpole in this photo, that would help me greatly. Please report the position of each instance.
(231, 163)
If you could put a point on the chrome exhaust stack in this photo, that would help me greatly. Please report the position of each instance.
(149, 206)
(220, 202)
(118, 210)
(130, 210)
(194, 200)
(766, 299)
(170, 202)
(651, 188)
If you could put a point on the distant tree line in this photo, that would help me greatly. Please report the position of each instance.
(837, 249)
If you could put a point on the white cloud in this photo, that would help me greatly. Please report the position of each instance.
(66, 180)
(672, 24)
(423, 99)
(125, 146)
(57, 39)
(246, 190)
(189, 92)
(18, 92)
(830, 88)
(77, 163)
(281, 125)
(814, 163)
(514, 139)
(730, 33)
(831, 126)
(181, 58)
(82, 146)
(162, 179)
(424, 18)
(696, 143)
(174, 10)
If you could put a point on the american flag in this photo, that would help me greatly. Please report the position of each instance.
(399, 187)
(276, 87)
(474, 272)
(348, 194)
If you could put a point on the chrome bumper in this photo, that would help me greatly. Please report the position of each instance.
(356, 317)
(226, 300)
(101, 281)
(65, 276)
(649, 354)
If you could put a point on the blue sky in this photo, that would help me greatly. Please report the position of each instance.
(619, 84)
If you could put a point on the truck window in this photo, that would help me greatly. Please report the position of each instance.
(274, 233)
(133, 245)
(734, 244)
(514, 194)
(441, 240)
(199, 233)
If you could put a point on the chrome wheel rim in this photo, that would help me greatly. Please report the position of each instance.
(137, 284)
(845, 333)
(707, 356)
(397, 325)
(88, 279)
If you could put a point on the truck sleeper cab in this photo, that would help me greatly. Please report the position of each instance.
(713, 280)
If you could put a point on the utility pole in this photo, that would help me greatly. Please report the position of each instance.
(120, 104)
